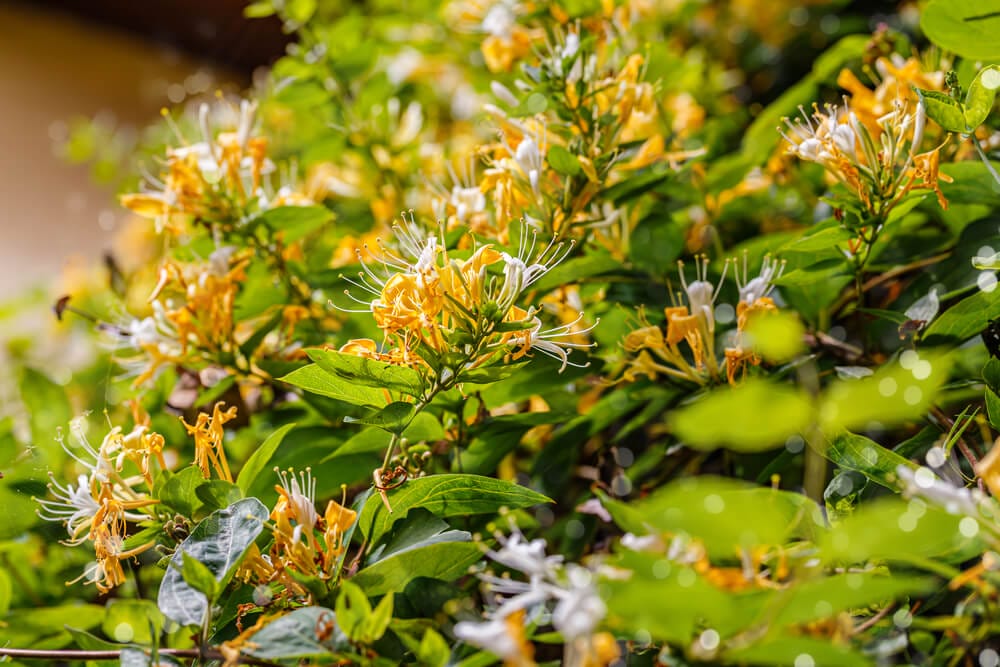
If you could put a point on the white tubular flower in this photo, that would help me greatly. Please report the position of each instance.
(760, 286)
(74, 507)
(526, 557)
(701, 294)
(548, 342)
(580, 608)
(924, 483)
(299, 496)
(493, 635)
(529, 158)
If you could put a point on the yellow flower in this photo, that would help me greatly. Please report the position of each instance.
(209, 452)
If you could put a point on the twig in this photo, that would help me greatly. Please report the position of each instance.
(75, 654)
(882, 613)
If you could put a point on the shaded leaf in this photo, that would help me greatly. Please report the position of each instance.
(219, 543)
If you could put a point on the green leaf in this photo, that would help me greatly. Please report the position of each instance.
(669, 601)
(419, 529)
(294, 636)
(132, 621)
(393, 417)
(856, 452)
(433, 650)
(755, 416)
(445, 560)
(218, 493)
(535, 103)
(944, 110)
(314, 379)
(48, 410)
(378, 622)
(727, 515)
(893, 395)
(575, 270)
(199, 577)
(219, 543)
(6, 592)
(789, 649)
(488, 374)
(444, 496)
(259, 460)
(981, 96)
(296, 221)
(353, 609)
(819, 237)
(965, 27)
(179, 492)
(627, 517)
(563, 161)
(369, 372)
(889, 529)
(827, 596)
(965, 319)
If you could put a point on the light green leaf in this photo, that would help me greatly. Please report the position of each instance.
(856, 452)
(891, 396)
(378, 622)
(132, 621)
(353, 609)
(727, 515)
(369, 372)
(965, 27)
(755, 416)
(179, 492)
(219, 543)
(393, 417)
(563, 161)
(296, 221)
(944, 110)
(965, 319)
(981, 96)
(314, 379)
(444, 496)
(827, 596)
(261, 457)
(445, 560)
(789, 649)
(889, 529)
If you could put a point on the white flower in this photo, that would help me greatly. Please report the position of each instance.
(492, 635)
(73, 506)
(760, 286)
(300, 494)
(529, 158)
(953, 499)
(701, 294)
(526, 557)
(580, 608)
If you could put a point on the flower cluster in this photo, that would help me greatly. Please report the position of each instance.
(439, 312)
(98, 508)
(685, 348)
(576, 614)
(221, 179)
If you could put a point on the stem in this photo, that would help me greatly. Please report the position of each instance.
(73, 654)
(985, 159)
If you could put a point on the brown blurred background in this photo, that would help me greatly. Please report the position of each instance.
(121, 60)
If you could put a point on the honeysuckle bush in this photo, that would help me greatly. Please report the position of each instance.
(586, 333)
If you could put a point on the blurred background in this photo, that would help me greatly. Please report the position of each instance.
(63, 62)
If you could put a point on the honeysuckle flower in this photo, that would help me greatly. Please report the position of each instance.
(577, 611)
(73, 506)
(761, 285)
(551, 342)
(503, 636)
(923, 483)
(210, 454)
(297, 497)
